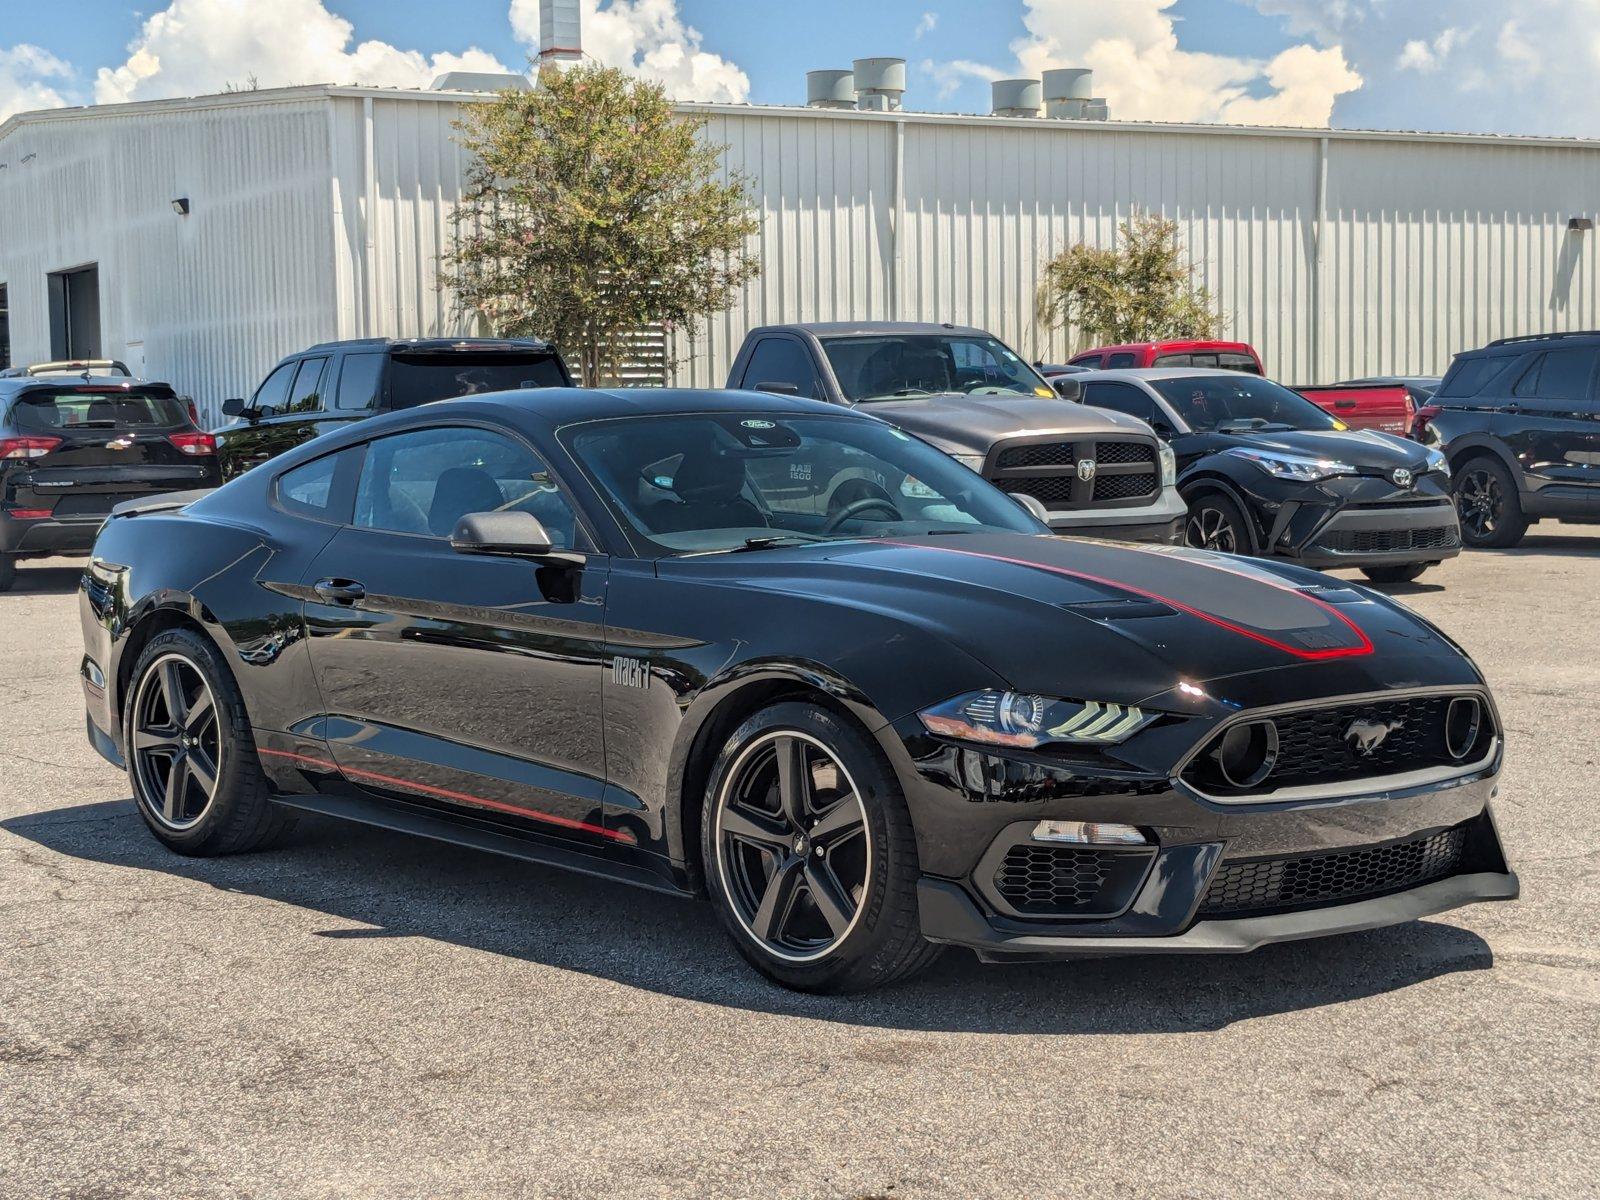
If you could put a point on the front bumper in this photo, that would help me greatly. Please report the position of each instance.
(1159, 522)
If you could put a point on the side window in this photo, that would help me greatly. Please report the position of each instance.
(1085, 360)
(1124, 359)
(306, 394)
(781, 360)
(1181, 360)
(1238, 362)
(1565, 374)
(319, 488)
(1528, 385)
(274, 393)
(424, 481)
(359, 378)
(1120, 397)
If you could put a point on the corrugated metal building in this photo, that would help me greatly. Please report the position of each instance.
(319, 212)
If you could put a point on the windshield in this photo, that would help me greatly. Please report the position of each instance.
(897, 366)
(418, 379)
(114, 408)
(1240, 404)
(690, 484)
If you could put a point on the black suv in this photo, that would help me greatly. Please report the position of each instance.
(333, 383)
(72, 448)
(1520, 423)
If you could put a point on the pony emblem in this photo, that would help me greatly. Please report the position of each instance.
(1364, 737)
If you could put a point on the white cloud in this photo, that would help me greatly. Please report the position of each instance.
(1425, 56)
(1145, 74)
(193, 47)
(949, 76)
(31, 78)
(650, 39)
(928, 22)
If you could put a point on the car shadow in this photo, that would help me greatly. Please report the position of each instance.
(1557, 544)
(1403, 589)
(371, 883)
(45, 581)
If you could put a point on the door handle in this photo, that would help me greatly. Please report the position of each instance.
(1512, 408)
(339, 591)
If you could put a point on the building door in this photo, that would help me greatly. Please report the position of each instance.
(75, 313)
(5, 328)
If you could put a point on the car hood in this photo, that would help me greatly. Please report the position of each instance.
(1109, 621)
(977, 422)
(1366, 449)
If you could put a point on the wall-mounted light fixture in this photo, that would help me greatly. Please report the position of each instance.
(181, 206)
(1580, 224)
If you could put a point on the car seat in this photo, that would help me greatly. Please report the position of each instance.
(462, 490)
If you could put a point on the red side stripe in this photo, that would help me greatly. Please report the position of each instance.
(1363, 647)
(619, 835)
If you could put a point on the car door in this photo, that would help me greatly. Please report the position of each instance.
(462, 681)
(1548, 422)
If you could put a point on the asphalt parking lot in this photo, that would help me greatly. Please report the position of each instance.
(358, 1014)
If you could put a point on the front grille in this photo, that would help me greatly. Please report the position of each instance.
(1324, 745)
(1386, 541)
(1264, 885)
(1123, 487)
(1041, 454)
(1116, 453)
(1054, 490)
(1069, 881)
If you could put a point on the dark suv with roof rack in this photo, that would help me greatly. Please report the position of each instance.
(333, 383)
(1520, 422)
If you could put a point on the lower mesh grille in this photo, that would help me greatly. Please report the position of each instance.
(1385, 541)
(1069, 881)
(1123, 487)
(1053, 490)
(1272, 884)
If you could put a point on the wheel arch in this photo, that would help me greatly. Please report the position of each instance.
(158, 617)
(1464, 450)
(1201, 482)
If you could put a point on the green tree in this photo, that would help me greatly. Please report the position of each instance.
(1140, 290)
(594, 208)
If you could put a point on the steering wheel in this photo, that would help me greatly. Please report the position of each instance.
(860, 506)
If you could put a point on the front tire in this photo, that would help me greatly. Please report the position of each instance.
(1400, 574)
(1489, 506)
(197, 781)
(1216, 523)
(810, 856)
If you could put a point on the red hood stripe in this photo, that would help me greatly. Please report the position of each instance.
(1363, 646)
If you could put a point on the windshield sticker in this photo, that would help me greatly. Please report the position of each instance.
(754, 423)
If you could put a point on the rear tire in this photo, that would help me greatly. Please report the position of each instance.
(1216, 523)
(816, 882)
(8, 572)
(191, 757)
(1402, 574)
(1488, 504)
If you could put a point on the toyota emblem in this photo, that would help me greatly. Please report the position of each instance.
(1086, 469)
(1402, 477)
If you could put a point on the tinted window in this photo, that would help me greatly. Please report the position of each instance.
(1121, 397)
(899, 366)
(310, 489)
(274, 393)
(781, 360)
(427, 480)
(306, 394)
(1086, 360)
(67, 410)
(1565, 375)
(1238, 362)
(1181, 360)
(359, 379)
(1125, 359)
(1467, 376)
(1240, 404)
(419, 378)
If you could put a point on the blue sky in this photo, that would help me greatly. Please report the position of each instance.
(1482, 65)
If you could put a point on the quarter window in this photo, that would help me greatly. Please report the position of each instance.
(1561, 375)
(319, 488)
(424, 481)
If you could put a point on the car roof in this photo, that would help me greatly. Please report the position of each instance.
(424, 344)
(1523, 343)
(871, 328)
(1145, 374)
(1175, 344)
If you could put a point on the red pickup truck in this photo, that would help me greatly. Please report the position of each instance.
(1385, 407)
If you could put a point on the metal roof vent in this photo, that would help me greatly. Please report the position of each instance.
(1097, 110)
(830, 89)
(560, 31)
(880, 82)
(1067, 92)
(479, 81)
(1017, 97)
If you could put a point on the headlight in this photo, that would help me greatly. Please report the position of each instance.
(1025, 720)
(971, 461)
(1292, 466)
(1169, 465)
(1438, 462)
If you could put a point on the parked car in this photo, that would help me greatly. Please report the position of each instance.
(1266, 472)
(1210, 353)
(966, 392)
(616, 645)
(1419, 387)
(1520, 423)
(1386, 407)
(71, 449)
(334, 383)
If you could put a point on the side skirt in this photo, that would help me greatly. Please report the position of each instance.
(477, 836)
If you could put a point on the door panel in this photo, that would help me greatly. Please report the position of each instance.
(1549, 421)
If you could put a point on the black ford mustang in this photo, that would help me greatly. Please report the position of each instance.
(639, 634)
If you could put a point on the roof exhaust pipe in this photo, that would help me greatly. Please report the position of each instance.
(880, 83)
(1068, 92)
(1016, 97)
(830, 89)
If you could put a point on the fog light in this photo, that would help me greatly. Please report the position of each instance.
(1089, 833)
(1248, 753)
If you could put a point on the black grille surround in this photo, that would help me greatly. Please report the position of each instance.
(1349, 742)
(1260, 886)
(1126, 470)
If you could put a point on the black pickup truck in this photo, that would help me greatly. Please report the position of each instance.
(1094, 472)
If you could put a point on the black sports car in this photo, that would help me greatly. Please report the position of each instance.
(622, 632)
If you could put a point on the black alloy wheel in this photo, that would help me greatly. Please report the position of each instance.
(176, 744)
(1487, 503)
(1215, 523)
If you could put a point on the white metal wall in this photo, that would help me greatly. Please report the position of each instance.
(211, 299)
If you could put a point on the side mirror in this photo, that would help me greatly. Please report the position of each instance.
(779, 389)
(1033, 504)
(509, 535)
(1162, 430)
(1068, 388)
(233, 407)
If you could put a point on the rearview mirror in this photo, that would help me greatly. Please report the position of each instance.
(779, 389)
(1067, 387)
(509, 535)
(1033, 504)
